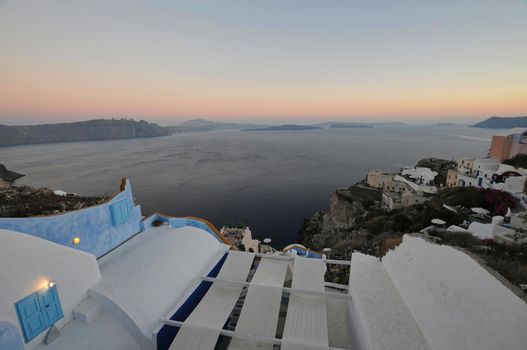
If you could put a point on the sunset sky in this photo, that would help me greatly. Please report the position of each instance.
(268, 60)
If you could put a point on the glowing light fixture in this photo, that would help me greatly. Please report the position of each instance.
(51, 284)
(76, 240)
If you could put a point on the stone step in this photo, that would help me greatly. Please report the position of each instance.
(87, 311)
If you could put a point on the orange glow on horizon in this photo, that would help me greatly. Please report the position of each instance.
(88, 98)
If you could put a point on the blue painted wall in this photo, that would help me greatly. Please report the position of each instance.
(10, 338)
(93, 225)
(179, 222)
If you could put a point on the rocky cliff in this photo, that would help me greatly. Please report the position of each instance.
(347, 208)
(91, 130)
(25, 201)
(356, 222)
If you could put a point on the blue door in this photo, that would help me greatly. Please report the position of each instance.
(38, 311)
(480, 181)
(30, 317)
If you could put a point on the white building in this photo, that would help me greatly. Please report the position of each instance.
(413, 186)
(494, 230)
(416, 186)
(489, 172)
(177, 288)
(420, 175)
(465, 165)
(116, 302)
(427, 296)
(241, 236)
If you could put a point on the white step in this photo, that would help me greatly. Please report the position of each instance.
(87, 311)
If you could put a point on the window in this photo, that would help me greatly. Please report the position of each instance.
(38, 311)
(121, 211)
(523, 139)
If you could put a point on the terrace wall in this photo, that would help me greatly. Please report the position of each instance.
(456, 302)
(93, 225)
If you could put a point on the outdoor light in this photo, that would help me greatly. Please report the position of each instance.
(76, 240)
(51, 284)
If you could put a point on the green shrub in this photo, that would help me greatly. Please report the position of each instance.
(518, 161)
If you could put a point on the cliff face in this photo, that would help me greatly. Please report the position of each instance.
(346, 208)
(91, 130)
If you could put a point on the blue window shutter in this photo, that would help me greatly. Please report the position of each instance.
(30, 317)
(115, 209)
(120, 211)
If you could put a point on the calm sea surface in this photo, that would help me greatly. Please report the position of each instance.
(270, 181)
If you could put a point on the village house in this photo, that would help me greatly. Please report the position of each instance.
(465, 165)
(490, 172)
(378, 179)
(476, 172)
(412, 186)
(508, 144)
(240, 236)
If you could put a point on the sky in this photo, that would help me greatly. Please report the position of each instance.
(262, 60)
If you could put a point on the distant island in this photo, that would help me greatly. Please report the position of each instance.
(326, 125)
(203, 125)
(344, 125)
(391, 124)
(91, 130)
(502, 123)
(286, 127)
(112, 129)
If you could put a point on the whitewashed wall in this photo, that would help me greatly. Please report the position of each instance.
(456, 302)
(27, 263)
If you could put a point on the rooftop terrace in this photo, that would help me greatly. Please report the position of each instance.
(181, 288)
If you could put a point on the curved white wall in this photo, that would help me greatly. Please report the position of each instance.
(456, 302)
(148, 275)
(27, 263)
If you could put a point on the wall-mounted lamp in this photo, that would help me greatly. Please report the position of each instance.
(51, 284)
(76, 240)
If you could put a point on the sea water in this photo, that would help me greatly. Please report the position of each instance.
(270, 181)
